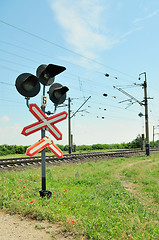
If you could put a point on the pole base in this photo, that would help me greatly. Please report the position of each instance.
(70, 150)
(45, 193)
(147, 150)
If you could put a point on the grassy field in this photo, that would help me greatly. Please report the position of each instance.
(108, 199)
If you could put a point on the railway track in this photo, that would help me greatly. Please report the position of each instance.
(9, 163)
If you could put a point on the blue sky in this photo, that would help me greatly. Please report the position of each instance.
(90, 38)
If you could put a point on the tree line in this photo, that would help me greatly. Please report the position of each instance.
(136, 143)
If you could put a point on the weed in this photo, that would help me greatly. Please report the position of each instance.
(88, 198)
(39, 227)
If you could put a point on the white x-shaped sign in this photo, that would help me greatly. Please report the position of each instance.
(44, 121)
(40, 145)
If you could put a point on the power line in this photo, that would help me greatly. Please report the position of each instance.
(39, 53)
(15, 63)
(1, 99)
(43, 39)
(57, 45)
(66, 49)
(6, 83)
(28, 59)
(26, 49)
(10, 69)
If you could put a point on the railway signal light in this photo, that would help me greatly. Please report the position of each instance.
(47, 73)
(57, 93)
(27, 85)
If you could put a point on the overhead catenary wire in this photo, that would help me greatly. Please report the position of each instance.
(15, 63)
(45, 40)
(66, 49)
(40, 53)
(14, 54)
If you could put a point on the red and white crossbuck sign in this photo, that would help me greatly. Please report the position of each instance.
(43, 143)
(44, 121)
(47, 122)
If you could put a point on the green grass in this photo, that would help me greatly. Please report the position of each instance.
(89, 199)
(145, 175)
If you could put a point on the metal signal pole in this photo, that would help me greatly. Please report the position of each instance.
(43, 192)
(43, 153)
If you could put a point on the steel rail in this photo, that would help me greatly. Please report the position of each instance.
(52, 159)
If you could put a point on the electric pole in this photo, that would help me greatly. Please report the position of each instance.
(146, 115)
(153, 136)
(69, 125)
(154, 127)
(70, 137)
(145, 104)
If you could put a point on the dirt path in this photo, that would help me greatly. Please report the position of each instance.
(134, 188)
(15, 227)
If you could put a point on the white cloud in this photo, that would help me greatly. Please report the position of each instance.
(130, 32)
(5, 119)
(83, 25)
(8, 133)
(86, 26)
(138, 20)
(136, 24)
(12, 135)
(103, 133)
